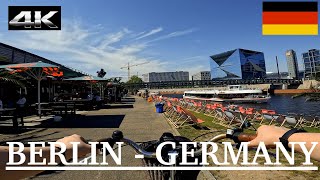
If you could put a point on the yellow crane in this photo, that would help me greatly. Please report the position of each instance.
(128, 67)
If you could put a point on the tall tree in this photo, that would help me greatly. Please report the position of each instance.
(101, 73)
(135, 79)
(12, 78)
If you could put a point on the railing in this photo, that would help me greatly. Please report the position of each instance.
(210, 83)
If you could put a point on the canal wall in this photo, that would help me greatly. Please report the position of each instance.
(294, 91)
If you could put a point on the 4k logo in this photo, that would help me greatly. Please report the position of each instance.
(34, 17)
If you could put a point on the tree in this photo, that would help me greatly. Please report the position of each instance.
(12, 78)
(135, 79)
(101, 73)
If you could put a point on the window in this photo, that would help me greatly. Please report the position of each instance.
(305, 55)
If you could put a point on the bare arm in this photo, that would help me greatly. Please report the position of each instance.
(308, 138)
(83, 150)
(271, 134)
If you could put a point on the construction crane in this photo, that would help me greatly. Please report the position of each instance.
(128, 67)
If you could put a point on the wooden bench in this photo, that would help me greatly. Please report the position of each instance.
(61, 107)
(10, 113)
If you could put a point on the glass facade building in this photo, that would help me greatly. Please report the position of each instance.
(238, 64)
(311, 61)
(293, 70)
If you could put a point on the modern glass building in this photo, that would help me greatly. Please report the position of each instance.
(293, 70)
(311, 61)
(238, 64)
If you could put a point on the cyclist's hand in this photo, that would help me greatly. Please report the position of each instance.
(83, 147)
(268, 135)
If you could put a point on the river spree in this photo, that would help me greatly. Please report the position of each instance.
(284, 104)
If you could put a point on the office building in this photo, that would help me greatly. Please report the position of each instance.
(203, 75)
(311, 61)
(238, 64)
(166, 76)
(293, 71)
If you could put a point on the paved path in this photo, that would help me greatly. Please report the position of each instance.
(138, 122)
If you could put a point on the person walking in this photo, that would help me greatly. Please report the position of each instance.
(20, 104)
(1, 104)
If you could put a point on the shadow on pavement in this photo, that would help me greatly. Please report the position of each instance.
(9, 130)
(86, 121)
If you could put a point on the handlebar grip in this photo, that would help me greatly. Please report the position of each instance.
(243, 137)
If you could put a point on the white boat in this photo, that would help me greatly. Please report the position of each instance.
(233, 93)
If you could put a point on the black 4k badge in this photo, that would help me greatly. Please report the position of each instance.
(34, 18)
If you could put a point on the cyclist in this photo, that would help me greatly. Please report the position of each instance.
(266, 134)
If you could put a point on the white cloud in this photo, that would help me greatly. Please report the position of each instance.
(89, 49)
(152, 32)
(174, 34)
(113, 38)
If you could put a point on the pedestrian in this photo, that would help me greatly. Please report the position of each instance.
(98, 100)
(21, 103)
(1, 104)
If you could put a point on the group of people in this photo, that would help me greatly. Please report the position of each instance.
(20, 103)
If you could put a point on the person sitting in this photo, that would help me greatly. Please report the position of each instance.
(90, 97)
(22, 101)
(1, 104)
(98, 100)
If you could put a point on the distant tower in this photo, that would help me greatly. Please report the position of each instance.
(292, 62)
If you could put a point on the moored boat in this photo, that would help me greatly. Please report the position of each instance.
(233, 94)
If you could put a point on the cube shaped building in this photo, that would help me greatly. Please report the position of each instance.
(238, 64)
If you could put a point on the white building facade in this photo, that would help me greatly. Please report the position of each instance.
(203, 75)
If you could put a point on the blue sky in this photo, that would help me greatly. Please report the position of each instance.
(169, 34)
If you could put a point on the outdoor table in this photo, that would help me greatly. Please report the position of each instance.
(11, 112)
(63, 106)
(41, 104)
(82, 103)
(45, 107)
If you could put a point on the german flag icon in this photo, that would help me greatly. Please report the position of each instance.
(290, 18)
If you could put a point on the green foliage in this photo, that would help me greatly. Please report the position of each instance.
(135, 79)
(12, 78)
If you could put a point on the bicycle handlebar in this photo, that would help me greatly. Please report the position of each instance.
(117, 136)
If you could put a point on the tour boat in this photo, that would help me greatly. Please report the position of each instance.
(233, 94)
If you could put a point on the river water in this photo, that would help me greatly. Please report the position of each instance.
(283, 104)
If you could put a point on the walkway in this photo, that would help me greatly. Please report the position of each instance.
(137, 121)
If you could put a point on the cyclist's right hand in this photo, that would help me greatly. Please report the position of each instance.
(268, 135)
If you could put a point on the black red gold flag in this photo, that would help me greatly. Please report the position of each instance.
(290, 18)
